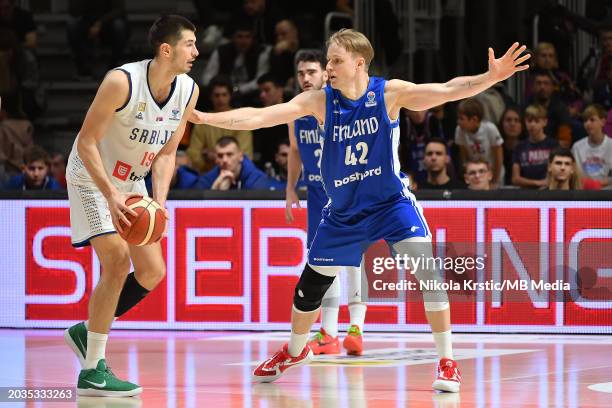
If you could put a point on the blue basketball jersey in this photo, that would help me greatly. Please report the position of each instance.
(309, 143)
(360, 165)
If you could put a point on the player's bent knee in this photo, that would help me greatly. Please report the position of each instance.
(436, 306)
(117, 264)
(310, 290)
(156, 273)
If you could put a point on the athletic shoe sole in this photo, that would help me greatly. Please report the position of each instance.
(91, 392)
(270, 378)
(446, 386)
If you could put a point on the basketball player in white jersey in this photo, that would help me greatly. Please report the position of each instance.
(304, 157)
(133, 126)
(368, 199)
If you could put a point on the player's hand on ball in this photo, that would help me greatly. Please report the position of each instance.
(118, 209)
(511, 62)
(291, 199)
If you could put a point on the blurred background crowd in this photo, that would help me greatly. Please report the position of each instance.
(545, 129)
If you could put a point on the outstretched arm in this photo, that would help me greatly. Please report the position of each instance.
(304, 104)
(425, 96)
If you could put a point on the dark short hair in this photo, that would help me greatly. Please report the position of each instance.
(471, 107)
(561, 152)
(241, 24)
(438, 140)
(220, 80)
(543, 72)
(310, 56)
(35, 153)
(285, 141)
(268, 77)
(168, 29)
(226, 141)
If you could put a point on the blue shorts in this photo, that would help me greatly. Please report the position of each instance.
(315, 202)
(339, 243)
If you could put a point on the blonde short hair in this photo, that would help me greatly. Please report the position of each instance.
(536, 112)
(594, 110)
(543, 46)
(355, 42)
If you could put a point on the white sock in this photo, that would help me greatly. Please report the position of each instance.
(96, 349)
(329, 320)
(444, 345)
(297, 342)
(357, 312)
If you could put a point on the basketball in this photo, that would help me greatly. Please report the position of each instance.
(149, 223)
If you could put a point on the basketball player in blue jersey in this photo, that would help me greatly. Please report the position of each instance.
(305, 156)
(361, 176)
(133, 126)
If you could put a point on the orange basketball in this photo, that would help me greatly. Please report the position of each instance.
(149, 223)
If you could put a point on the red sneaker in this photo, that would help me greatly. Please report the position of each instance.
(323, 343)
(448, 376)
(275, 366)
(353, 343)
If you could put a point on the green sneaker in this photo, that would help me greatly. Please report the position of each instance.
(101, 382)
(76, 338)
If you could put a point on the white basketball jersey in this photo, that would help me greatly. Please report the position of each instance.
(138, 130)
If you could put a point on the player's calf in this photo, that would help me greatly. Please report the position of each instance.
(307, 298)
(131, 294)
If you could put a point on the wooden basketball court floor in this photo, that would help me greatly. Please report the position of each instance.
(212, 369)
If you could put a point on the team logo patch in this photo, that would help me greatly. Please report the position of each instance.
(175, 114)
(122, 170)
(370, 102)
(139, 115)
(142, 106)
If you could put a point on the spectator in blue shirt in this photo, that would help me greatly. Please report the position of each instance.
(530, 161)
(184, 176)
(234, 171)
(35, 172)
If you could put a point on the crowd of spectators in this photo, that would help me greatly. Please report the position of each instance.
(556, 137)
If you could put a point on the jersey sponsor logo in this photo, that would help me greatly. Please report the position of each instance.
(371, 99)
(358, 176)
(324, 259)
(175, 114)
(134, 177)
(314, 177)
(122, 170)
(360, 127)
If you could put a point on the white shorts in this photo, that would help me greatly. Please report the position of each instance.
(89, 213)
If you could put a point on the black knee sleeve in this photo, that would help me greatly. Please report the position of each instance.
(310, 290)
(131, 294)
